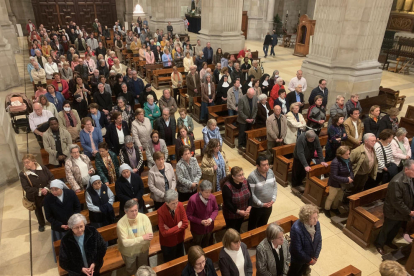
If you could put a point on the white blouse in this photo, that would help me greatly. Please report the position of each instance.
(121, 136)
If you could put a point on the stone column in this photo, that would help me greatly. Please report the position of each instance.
(9, 75)
(345, 47)
(221, 25)
(257, 13)
(12, 17)
(164, 12)
(7, 28)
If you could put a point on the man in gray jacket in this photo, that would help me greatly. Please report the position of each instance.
(234, 94)
(247, 111)
(276, 128)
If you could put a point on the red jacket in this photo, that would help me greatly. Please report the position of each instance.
(274, 94)
(174, 235)
(65, 87)
(28, 27)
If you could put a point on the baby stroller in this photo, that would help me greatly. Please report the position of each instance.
(19, 108)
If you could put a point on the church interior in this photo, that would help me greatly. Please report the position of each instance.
(363, 47)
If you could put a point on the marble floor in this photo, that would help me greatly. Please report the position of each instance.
(338, 250)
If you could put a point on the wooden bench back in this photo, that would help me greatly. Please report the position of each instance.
(260, 132)
(166, 71)
(350, 270)
(318, 170)
(410, 112)
(368, 196)
(217, 108)
(408, 124)
(230, 119)
(288, 149)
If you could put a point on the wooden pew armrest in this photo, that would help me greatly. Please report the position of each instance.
(319, 182)
(283, 159)
(402, 97)
(367, 215)
(214, 115)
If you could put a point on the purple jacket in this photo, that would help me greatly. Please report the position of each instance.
(339, 173)
(198, 211)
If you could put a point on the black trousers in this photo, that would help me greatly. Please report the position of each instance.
(298, 172)
(388, 232)
(242, 135)
(296, 269)
(259, 217)
(203, 240)
(234, 223)
(172, 253)
(185, 196)
(176, 95)
(39, 210)
(359, 183)
(157, 205)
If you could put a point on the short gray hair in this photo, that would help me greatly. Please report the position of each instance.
(145, 270)
(73, 146)
(272, 231)
(206, 185)
(367, 136)
(310, 134)
(400, 131)
(279, 78)
(408, 164)
(211, 122)
(150, 97)
(129, 204)
(340, 97)
(75, 219)
(166, 108)
(262, 97)
(32, 58)
(170, 195)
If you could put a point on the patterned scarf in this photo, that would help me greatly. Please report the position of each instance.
(110, 167)
(221, 169)
(69, 119)
(132, 157)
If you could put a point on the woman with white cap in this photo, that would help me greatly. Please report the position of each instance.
(129, 186)
(131, 155)
(99, 199)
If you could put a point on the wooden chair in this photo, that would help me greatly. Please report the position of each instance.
(316, 189)
(231, 130)
(254, 145)
(350, 270)
(410, 112)
(386, 99)
(135, 62)
(141, 65)
(213, 110)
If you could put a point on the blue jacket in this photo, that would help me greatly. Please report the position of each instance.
(136, 86)
(165, 60)
(302, 248)
(205, 52)
(60, 100)
(207, 135)
(339, 173)
(317, 91)
(86, 142)
(274, 39)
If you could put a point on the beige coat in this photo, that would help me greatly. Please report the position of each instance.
(156, 182)
(50, 145)
(73, 173)
(292, 127)
(273, 130)
(256, 73)
(231, 99)
(62, 120)
(141, 132)
(174, 82)
(208, 172)
(358, 156)
(38, 75)
(350, 131)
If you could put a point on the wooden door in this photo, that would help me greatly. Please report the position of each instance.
(244, 23)
(83, 12)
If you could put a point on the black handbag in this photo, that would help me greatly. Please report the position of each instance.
(392, 168)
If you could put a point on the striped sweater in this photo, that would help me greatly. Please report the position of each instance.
(263, 190)
(380, 155)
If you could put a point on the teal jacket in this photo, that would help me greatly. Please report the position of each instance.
(102, 171)
(152, 115)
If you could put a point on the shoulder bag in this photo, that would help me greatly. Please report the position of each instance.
(392, 168)
(29, 205)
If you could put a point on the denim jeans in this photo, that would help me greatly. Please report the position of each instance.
(272, 50)
(204, 110)
(231, 112)
(265, 49)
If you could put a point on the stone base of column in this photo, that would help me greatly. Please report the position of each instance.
(9, 32)
(231, 43)
(257, 28)
(364, 79)
(9, 74)
(178, 25)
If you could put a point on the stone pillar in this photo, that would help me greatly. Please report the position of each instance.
(164, 12)
(345, 47)
(9, 75)
(12, 17)
(257, 13)
(221, 25)
(7, 28)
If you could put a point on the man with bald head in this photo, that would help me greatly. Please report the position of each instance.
(296, 96)
(193, 86)
(276, 128)
(294, 82)
(247, 111)
(38, 121)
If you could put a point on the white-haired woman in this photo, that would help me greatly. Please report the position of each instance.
(82, 249)
(274, 93)
(263, 111)
(145, 270)
(152, 111)
(296, 124)
(401, 150)
(272, 253)
(210, 131)
(306, 241)
(78, 169)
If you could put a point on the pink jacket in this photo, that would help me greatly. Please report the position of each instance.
(397, 153)
(149, 57)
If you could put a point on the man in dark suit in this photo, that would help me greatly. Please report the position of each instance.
(193, 86)
(320, 90)
(247, 111)
(295, 96)
(208, 53)
(166, 125)
(103, 99)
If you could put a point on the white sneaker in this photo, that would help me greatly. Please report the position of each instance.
(408, 238)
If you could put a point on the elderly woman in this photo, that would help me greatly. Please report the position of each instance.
(131, 155)
(134, 232)
(185, 120)
(237, 198)
(155, 144)
(99, 199)
(214, 166)
(401, 149)
(184, 139)
(82, 249)
(336, 134)
(234, 259)
(208, 94)
(198, 263)
(107, 166)
(256, 87)
(124, 109)
(78, 169)
(161, 178)
(202, 210)
(371, 123)
(50, 68)
(188, 174)
(48, 106)
(116, 132)
(341, 178)
(35, 180)
(188, 62)
(272, 253)
(306, 241)
(152, 111)
(389, 121)
(338, 107)
(90, 137)
(141, 129)
(210, 131)
(387, 169)
(145, 270)
(316, 115)
(274, 93)
(166, 58)
(69, 120)
(172, 222)
(129, 186)
(263, 111)
(296, 124)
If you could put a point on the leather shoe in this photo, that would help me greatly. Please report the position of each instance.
(381, 250)
(41, 228)
(392, 246)
(327, 213)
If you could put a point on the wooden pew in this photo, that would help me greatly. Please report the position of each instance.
(350, 270)
(409, 265)
(253, 145)
(386, 99)
(408, 124)
(282, 165)
(410, 112)
(251, 238)
(230, 130)
(163, 76)
(213, 110)
(149, 68)
(197, 109)
(365, 215)
(316, 189)
(141, 66)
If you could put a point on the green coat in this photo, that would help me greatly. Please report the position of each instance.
(102, 171)
(152, 115)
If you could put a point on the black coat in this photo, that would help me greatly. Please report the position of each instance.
(384, 123)
(159, 125)
(317, 91)
(129, 97)
(179, 144)
(370, 126)
(103, 70)
(124, 158)
(94, 83)
(103, 100)
(83, 71)
(268, 40)
(99, 51)
(57, 212)
(70, 256)
(339, 173)
(103, 121)
(143, 98)
(277, 102)
(208, 268)
(81, 107)
(126, 191)
(291, 98)
(111, 136)
(261, 116)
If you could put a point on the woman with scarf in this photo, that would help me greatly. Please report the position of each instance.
(188, 174)
(90, 137)
(156, 144)
(124, 109)
(336, 134)
(210, 131)
(116, 132)
(214, 166)
(152, 111)
(185, 120)
(130, 154)
(274, 93)
(184, 140)
(281, 101)
(66, 72)
(69, 120)
(166, 58)
(99, 199)
(296, 124)
(107, 166)
(208, 94)
(177, 83)
(178, 56)
(82, 89)
(264, 84)
(371, 123)
(222, 88)
(188, 62)
(316, 115)
(78, 169)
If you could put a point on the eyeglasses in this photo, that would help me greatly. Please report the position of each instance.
(240, 174)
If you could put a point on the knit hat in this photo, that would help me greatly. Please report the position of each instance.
(57, 183)
(124, 167)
